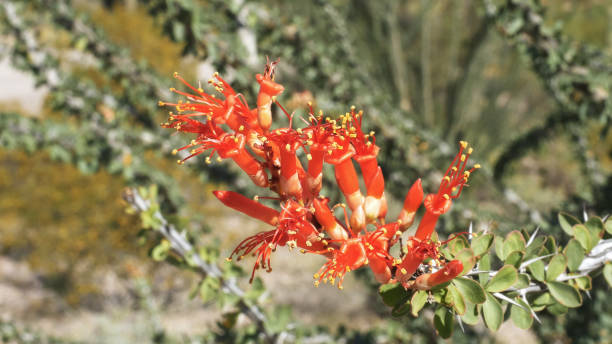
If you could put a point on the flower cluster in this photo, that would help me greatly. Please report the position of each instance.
(289, 161)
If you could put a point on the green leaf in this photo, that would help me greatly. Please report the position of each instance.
(608, 225)
(557, 309)
(556, 267)
(503, 280)
(596, 229)
(466, 256)
(537, 270)
(400, 309)
(542, 301)
(514, 242)
(521, 316)
(392, 294)
(575, 254)
(456, 300)
(443, 322)
(458, 244)
(471, 290)
(418, 301)
(565, 294)
(492, 313)
(550, 245)
(229, 319)
(582, 234)
(515, 258)
(607, 272)
(567, 221)
(471, 314)
(584, 282)
(499, 247)
(522, 282)
(536, 245)
(484, 265)
(209, 288)
(482, 243)
(160, 252)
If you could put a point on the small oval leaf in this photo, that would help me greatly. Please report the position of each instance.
(582, 234)
(418, 300)
(607, 272)
(514, 242)
(443, 322)
(503, 280)
(521, 316)
(482, 243)
(470, 289)
(565, 294)
(574, 253)
(492, 313)
(456, 300)
(556, 267)
(567, 221)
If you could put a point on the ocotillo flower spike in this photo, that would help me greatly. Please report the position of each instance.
(290, 162)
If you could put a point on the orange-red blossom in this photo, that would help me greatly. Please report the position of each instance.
(289, 162)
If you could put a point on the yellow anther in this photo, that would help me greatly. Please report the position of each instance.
(454, 169)
(477, 166)
(308, 243)
(447, 178)
(462, 157)
(241, 128)
(340, 287)
(288, 147)
(160, 103)
(180, 162)
(403, 271)
(174, 151)
(175, 74)
(470, 150)
(463, 144)
(446, 196)
(315, 276)
(309, 156)
(316, 284)
(208, 160)
(228, 259)
(219, 159)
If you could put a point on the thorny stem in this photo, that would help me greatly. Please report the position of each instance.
(185, 249)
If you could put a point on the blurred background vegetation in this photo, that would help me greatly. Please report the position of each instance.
(526, 82)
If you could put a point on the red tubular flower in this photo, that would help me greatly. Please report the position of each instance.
(415, 251)
(451, 270)
(318, 140)
(268, 89)
(348, 182)
(293, 229)
(288, 141)
(412, 202)
(232, 111)
(327, 220)
(375, 203)
(366, 150)
(451, 186)
(248, 206)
